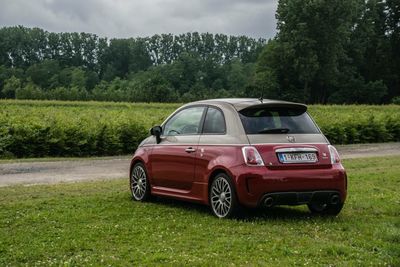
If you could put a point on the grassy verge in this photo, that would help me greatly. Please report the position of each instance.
(97, 223)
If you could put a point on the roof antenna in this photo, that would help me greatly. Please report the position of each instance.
(261, 98)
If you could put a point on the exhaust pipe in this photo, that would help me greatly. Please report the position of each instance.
(268, 202)
(335, 199)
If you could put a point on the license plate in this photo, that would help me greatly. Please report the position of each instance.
(297, 157)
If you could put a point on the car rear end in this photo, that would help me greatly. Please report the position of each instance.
(288, 161)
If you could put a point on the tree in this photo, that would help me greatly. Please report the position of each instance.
(6, 73)
(30, 91)
(369, 50)
(78, 78)
(44, 74)
(11, 85)
(275, 78)
(393, 25)
(139, 56)
(313, 35)
(238, 76)
(125, 56)
(357, 91)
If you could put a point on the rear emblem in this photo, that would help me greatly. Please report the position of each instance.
(291, 139)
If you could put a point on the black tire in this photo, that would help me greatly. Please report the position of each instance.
(139, 183)
(222, 197)
(325, 209)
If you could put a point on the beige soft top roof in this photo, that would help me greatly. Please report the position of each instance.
(242, 103)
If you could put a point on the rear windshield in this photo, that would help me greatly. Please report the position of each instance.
(277, 121)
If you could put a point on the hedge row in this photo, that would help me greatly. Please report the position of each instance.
(51, 128)
(370, 131)
(55, 128)
(353, 124)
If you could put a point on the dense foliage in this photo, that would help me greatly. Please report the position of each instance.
(55, 128)
(334, 52)
(324, 52)
(52, 128)
(36, 64)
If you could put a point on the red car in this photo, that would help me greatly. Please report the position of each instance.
(230, 153)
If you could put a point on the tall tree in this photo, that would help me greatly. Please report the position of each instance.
(393, 22)
(314, 34)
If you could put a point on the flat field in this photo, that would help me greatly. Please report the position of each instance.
(97, 223)
(31, 128)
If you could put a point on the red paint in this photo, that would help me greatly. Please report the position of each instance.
(171, 166)
(173, 172)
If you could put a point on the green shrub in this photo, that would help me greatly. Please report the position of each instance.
(396, 100)
(31, 128)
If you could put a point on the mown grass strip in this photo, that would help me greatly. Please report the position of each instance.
(97, 223)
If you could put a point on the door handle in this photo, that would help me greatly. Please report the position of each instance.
(190, 150)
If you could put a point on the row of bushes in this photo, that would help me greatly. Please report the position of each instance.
(69, 140)
(56, 128)
(352, 124)
(367, 131)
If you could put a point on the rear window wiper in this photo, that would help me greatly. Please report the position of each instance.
(275, 130)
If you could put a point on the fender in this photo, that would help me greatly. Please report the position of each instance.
(142, 155)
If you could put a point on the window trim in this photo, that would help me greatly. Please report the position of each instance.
(179, 111)
(204, 119)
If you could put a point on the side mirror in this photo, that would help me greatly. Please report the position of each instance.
(156, 131)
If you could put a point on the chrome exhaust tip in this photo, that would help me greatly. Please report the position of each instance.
(335, 199)
(268, 202)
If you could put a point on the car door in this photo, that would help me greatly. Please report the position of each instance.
(172, 160)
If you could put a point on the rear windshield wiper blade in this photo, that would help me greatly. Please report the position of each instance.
(275, 130)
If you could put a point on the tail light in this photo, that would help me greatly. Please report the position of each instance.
(251, 156)
(334, 154)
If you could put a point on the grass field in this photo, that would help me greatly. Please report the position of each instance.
(96, 223)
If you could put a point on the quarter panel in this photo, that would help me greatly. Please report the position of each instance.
(219, 150)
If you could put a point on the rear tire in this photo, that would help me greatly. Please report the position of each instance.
(325, 209)
(139, 183)
(222, 197)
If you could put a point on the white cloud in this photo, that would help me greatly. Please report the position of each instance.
(131, 18)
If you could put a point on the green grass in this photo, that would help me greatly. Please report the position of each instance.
(96, 223)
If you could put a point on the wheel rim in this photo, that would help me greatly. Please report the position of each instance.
(138, 182)
(221, 197)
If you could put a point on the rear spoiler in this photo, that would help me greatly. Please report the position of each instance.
(272, 104)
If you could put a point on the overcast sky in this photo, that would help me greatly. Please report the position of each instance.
(132, 18)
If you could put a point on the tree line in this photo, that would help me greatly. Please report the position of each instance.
(324, 52)
(36, 64)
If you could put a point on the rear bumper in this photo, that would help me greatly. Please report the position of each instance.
(292, 187)
(299, 198)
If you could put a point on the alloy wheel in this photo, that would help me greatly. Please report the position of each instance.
(138, 182)
(221, 197)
